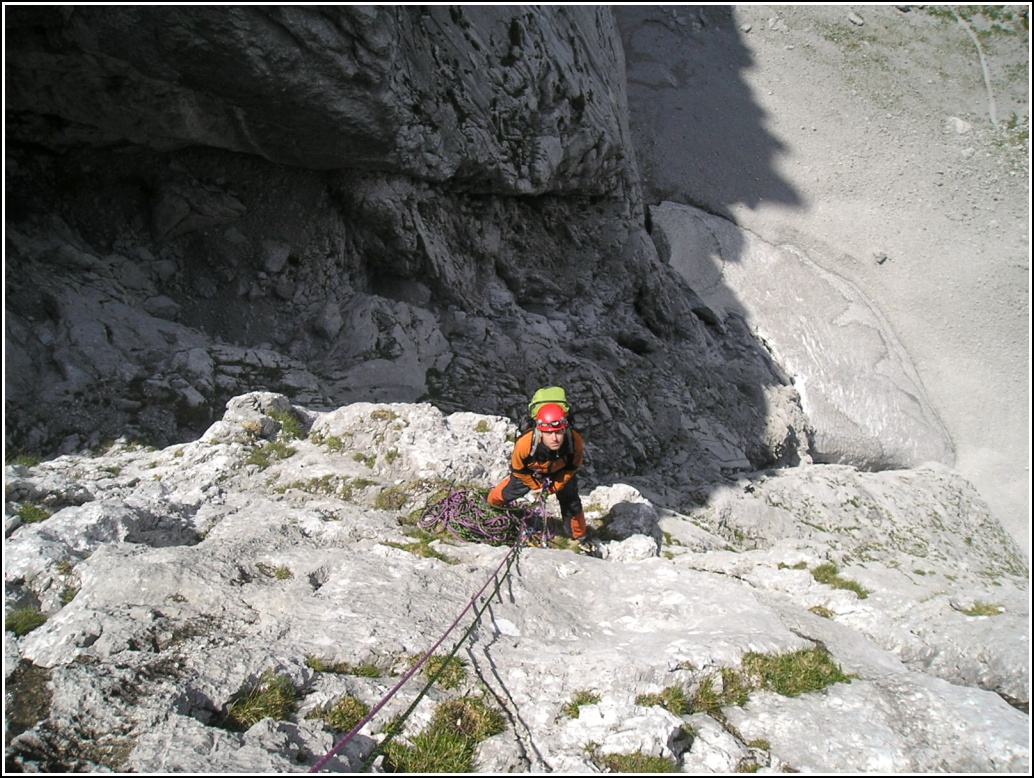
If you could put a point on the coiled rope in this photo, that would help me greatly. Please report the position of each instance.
(464, 514)
(458, 516)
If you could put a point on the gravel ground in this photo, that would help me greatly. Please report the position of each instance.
(892, 144)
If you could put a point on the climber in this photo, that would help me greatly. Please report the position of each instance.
(548, 458)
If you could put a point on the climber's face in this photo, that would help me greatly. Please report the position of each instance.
(553, 439)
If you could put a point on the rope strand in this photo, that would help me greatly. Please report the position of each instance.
(459, 513)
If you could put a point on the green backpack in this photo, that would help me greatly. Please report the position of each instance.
(550, 394)
(546, 396)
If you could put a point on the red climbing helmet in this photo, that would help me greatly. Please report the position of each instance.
(551, 418)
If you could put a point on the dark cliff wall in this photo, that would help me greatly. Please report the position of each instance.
(388, 204)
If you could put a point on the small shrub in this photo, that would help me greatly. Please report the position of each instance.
(31, 513)
(272, 696)
(829, 574)
(23, 621)
(343, 715)
(482, 427)
(582, 697)
(820, 610)
(383, 415)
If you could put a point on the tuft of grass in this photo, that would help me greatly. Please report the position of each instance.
(581, 697)
(333, 443)
(369, 461)
(796, 673)
(31, 513)
(421, 545)
(449, 743)
(790, 675)
(469, 717)
(24, 460)
(290, 425)
(453, 671)
(23, 620)
(272, 696)
(829, 574)
(672, 699)
(716, 692)
(68, 593)
(391, 499)
(363, 669)
(630, 763)
(280, 573)
(264, 456)
(821, 610)
(343, 715)
(983, 609)
(383, 415)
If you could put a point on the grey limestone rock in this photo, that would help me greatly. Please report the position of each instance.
(199, 569)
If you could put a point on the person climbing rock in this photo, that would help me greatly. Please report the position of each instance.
(547, 458)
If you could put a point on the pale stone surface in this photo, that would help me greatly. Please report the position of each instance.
(858, 387)
(198, 568)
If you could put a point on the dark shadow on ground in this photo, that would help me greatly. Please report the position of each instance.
(696, 123)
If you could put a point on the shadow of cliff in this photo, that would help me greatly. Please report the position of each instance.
(700, 133)
(701, 139)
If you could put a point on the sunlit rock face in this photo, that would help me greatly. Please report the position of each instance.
(282, 544)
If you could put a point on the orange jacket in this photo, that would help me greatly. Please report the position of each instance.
(531, 467)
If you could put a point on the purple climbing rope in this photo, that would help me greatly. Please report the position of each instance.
(465, 515)
(507, 560)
